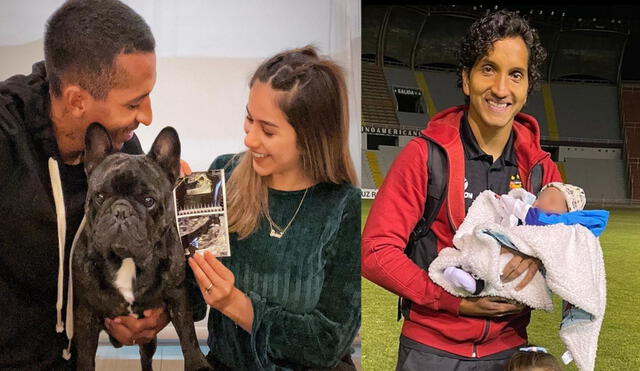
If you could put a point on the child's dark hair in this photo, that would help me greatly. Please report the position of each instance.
(532, 358)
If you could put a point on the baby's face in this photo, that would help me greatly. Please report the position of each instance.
(551, 200)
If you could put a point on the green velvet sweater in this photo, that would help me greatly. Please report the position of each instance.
(305, 286)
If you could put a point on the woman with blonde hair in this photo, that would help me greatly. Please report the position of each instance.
(289, 296)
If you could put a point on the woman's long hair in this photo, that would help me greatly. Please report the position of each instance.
(315, 104)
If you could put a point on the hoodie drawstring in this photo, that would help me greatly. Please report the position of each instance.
(58, 198)
(66, 354)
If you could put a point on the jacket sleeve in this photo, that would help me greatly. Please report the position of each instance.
(398, 207)
(317, 339)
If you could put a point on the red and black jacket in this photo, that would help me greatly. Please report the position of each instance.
(433, 318)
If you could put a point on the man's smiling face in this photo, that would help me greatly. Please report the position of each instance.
(497, 84)
(128, 104)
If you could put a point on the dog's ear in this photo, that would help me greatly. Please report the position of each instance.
(97, 146)
(166, 152)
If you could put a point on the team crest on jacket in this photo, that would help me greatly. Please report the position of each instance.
(515, 182)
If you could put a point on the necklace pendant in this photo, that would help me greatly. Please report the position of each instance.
(275, 234)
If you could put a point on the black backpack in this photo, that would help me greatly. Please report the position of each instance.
(422, 245)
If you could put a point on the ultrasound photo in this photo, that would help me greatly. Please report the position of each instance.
(201, 213)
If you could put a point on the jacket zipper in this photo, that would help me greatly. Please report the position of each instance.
(487, 324)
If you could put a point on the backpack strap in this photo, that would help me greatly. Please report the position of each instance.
(535, 178)
(436, 193)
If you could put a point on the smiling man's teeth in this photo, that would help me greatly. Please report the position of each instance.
(498, 105)
(258, 155)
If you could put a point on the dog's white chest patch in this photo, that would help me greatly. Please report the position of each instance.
(124, 280)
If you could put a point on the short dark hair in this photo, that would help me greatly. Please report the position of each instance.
(497, 26)
(83, 39)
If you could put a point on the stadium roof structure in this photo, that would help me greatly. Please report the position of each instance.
(594, 43)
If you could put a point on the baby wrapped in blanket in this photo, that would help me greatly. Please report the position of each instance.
(553, 229)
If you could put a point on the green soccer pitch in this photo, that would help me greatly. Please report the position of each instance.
(619, 343)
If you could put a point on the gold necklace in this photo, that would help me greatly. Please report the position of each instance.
(278, 232)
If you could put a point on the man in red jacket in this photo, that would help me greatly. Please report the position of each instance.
(488, 143)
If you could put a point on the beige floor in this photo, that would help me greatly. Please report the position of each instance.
(134, 365)
(168, 355)
(167, 358)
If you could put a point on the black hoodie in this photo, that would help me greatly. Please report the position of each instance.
(29, 254)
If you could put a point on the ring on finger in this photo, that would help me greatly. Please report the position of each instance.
(208, 289)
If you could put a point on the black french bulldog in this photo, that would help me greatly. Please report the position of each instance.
(128, 258)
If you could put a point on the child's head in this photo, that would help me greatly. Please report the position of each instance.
(560, 198)
(532, 358)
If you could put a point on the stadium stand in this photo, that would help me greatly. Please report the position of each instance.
(376, 173)
(443, 89)
(405, 78)
(600, 179)
(631, 122)
(587, 110)
(386, 156)
(578, 105)
(367, 177)
(378, 107)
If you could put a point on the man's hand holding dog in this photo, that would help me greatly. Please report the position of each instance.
(130, 330)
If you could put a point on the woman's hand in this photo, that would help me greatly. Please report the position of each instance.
(217, 286)
(185, 169)
(215, 280)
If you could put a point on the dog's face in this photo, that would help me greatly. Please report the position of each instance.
(129, 198)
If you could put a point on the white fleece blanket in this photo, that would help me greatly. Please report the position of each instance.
(572, 260)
